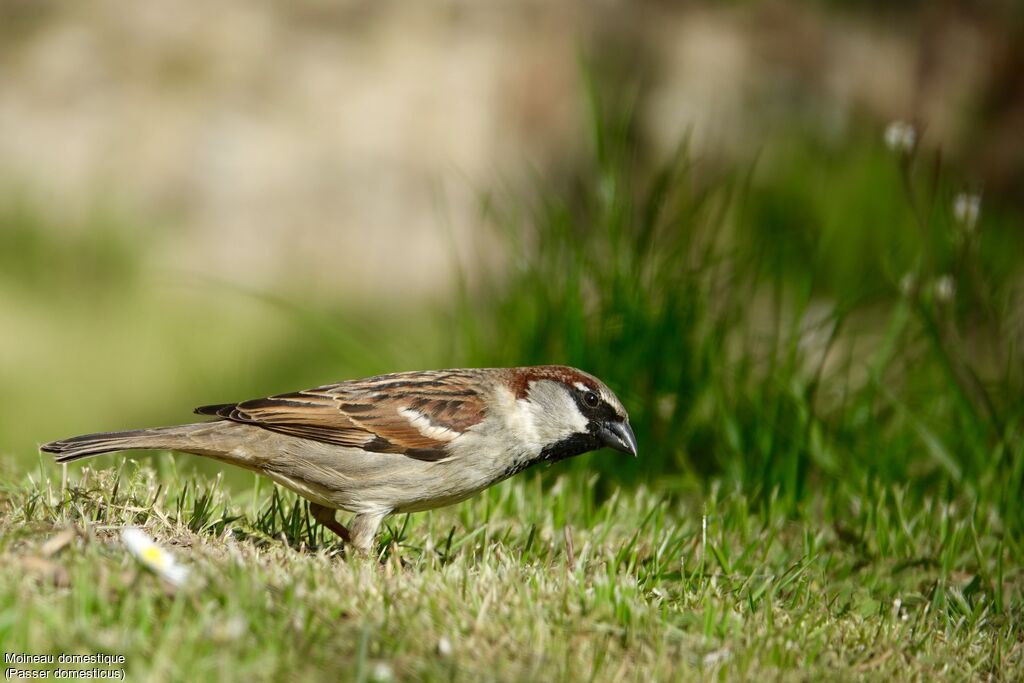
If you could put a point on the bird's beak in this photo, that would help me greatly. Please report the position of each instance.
(618, 435)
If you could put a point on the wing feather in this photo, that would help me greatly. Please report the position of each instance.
(416, 414)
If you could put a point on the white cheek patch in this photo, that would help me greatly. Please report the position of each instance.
(552, 413)
(427, 428)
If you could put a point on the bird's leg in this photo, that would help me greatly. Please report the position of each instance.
(325, 516)
(364, 530)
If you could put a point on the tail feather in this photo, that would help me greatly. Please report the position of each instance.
(77, 447)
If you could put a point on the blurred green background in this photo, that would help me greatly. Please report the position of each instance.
(711, 206)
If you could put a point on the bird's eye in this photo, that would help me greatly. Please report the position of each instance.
(590, 398)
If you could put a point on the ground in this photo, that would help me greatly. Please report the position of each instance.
(528, 581)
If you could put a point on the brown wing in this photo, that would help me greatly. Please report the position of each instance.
(415, 413)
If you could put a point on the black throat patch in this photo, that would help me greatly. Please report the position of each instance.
(569, 447)
(577, 444)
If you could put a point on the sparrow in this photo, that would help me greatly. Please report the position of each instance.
(396, 443)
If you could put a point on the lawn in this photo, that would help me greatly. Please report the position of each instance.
(526, 582)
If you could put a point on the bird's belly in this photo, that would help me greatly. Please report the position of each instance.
(440, 498)
(433, 485)
(363, 482)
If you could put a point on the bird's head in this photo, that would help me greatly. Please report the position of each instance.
(572, 412)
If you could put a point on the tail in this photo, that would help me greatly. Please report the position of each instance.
(181, 437)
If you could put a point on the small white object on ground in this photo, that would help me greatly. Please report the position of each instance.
(382, 673)
(153, 556)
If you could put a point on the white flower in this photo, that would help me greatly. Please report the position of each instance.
(153, 556)
(966, 209)
(908, 283)
(944, 288)
(900, 136)
(444, 647)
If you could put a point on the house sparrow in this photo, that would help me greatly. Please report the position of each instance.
(403, 442)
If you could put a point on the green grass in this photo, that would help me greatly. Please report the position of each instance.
(526, 582)
(754, 321)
